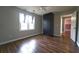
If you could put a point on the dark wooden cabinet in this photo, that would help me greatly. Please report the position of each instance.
(48, 24)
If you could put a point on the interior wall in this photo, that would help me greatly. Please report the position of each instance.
(10, 27)
(57, 20)
(78, 30)
(78, 27)
(56, 24)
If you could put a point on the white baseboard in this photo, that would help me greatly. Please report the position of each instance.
(57, 35)
(78, 44)
(17, 39)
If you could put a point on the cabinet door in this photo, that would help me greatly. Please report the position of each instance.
(51, 23)
(46, 27)
(47, 24)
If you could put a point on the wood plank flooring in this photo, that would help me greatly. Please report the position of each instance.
(40, 44)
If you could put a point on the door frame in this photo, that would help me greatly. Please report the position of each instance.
(61, 28)
(76, 38)
(61, 20)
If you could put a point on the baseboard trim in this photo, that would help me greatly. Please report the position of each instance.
(18, 39)
(57, 35)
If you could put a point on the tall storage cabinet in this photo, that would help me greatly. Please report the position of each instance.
(48, 24)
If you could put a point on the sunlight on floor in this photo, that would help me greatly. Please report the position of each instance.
(28, 47)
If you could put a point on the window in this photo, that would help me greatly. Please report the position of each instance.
(27, 22)
(23, 23)
(31, 22)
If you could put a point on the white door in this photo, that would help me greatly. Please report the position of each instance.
(73, 26)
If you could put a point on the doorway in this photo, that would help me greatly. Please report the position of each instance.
(68, 25)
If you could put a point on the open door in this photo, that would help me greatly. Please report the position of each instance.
(73, 26)
(67, 26)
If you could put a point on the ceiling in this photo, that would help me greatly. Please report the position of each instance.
(45, 9)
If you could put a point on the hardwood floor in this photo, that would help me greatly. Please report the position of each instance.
(40, 44)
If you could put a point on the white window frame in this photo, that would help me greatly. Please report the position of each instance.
(23, 24)
(31, 22)
(26, 21)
